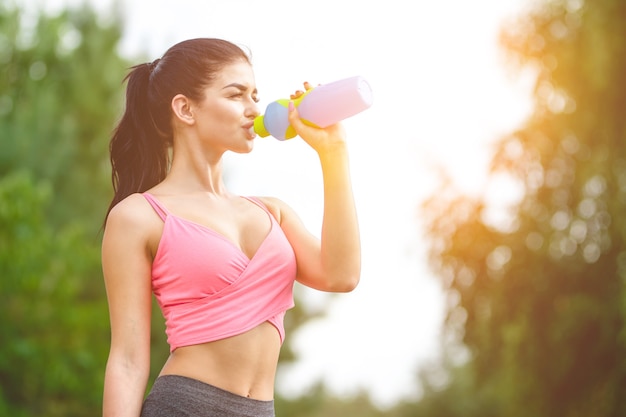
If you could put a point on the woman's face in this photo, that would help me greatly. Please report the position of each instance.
(224, 119)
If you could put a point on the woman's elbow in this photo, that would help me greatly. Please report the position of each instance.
(345, 282)
(348, 285)
(339, 279)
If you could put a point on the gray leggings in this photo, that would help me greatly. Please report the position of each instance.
(178, 396)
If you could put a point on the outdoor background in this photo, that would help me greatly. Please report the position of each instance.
(490, 178)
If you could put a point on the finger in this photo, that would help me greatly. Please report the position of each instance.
(308, 86)
(292, 113)
(297, 94)
(294, 117)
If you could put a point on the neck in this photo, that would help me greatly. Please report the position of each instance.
(196, 172)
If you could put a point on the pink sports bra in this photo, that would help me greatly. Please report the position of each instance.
(207, 287)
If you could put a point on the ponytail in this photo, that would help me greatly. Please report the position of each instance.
(138, 148)
(140, 144)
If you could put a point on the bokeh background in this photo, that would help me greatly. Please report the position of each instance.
(490, 178)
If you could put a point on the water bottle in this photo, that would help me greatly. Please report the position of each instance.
(320, 106)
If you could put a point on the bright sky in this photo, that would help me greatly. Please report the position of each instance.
(441, 96)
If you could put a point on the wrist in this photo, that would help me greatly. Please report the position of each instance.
(333, 149)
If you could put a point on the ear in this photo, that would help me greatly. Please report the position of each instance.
(181, 107)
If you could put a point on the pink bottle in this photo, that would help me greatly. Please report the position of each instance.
(321, 106)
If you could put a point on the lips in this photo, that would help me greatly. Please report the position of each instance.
(249, 127)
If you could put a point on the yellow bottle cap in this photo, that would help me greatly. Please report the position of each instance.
(259, 126)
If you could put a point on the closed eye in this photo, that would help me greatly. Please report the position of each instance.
(241, 90)
(240, 95)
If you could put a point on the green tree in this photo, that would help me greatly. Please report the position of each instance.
(54, 333)
(538, 300)
(59, 96)
(320, 403)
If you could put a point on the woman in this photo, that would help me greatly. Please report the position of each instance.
(221, 266)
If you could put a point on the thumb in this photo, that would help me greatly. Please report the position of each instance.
(293, 115)
(296, 122)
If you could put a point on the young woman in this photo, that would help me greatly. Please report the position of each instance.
(221, 266)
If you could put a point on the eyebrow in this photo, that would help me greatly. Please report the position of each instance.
(240, 87)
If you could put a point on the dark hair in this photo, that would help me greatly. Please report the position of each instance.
(140, 143)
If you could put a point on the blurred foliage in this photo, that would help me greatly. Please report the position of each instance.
(319, 402)
(54, 333)
(536, 297)
(536, 290)
(60, 96)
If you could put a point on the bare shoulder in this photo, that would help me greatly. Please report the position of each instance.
(132, 214)
(278, 208)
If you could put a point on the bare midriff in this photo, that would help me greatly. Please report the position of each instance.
(244, 364)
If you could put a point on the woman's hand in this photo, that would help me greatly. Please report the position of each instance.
(332, 263)
(320, 139)
(298, 93)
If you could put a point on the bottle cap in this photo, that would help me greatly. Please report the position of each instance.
(259, 126)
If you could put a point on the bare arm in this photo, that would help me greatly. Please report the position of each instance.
(334, 263)
(126, 263)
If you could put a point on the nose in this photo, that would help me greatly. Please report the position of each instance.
(252, 110)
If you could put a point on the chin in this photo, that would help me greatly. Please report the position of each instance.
(245, 149)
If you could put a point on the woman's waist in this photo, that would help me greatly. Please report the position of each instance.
(244, 365)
